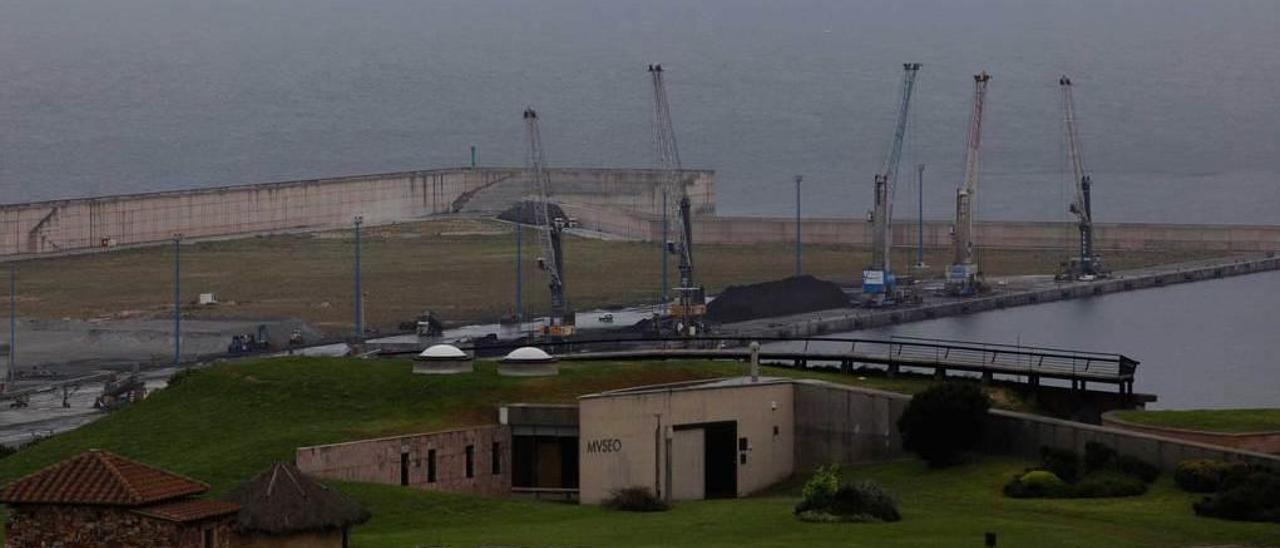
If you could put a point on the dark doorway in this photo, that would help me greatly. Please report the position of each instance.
(404, 469)
(544, 461)
(720, 443)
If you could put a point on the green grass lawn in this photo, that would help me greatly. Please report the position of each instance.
(1217, 420)
(952, 507)
(223, 424)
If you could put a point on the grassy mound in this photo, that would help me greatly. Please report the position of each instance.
(1213, 420)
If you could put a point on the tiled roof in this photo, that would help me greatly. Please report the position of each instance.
(189, 510)
(100, 477)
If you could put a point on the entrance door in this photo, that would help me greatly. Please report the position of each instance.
(721, 453)
(688, 465)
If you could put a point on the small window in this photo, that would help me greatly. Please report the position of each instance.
(210, 538)
(743, 445)
(431, 466)
(471, 461)
(404, 469)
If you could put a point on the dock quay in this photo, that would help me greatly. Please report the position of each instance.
(853, 319)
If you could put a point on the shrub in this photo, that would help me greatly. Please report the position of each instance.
(943, 422)
(865, 498)
(1108, 484)
(820, 490)
(635, 499)
(1097, 456)
(1255, 497)
(1064, 463)
(1137, 468)
(1036, 484)
(1207, 475)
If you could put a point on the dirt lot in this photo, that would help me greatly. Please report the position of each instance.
(463, 269)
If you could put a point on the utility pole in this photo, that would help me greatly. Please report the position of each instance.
(799, 243)
(13, 322)
(920, 216)
(177, 299)
(519, 273)
(359, 220)
(662, 249)
(473, 156)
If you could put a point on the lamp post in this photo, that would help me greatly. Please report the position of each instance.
(662, 247)
(13, 322)
(177, 299)
(519, 274)
(799, 242)
(920, 216)
(359, 302)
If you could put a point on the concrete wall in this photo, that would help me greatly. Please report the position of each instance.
(318, 539)
(1023, 434)
(640, 421)
(378, 460)
(93, 223)
(996, 234)
(842, 425)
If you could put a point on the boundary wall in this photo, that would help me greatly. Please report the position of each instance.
(989, 234)
(84, 224)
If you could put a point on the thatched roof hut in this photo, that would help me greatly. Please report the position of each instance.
(281, 501)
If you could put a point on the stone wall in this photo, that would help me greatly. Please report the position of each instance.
(379, 460)
(86, 224)
(65, 526)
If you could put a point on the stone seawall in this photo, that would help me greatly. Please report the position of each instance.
(1109, 237)
(85, 224)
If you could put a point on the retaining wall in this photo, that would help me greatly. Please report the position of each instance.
(134, 219)
(1262, 442)
(848, 425)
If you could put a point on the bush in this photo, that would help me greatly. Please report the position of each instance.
(1255, 497)
(820, 490)
(1137, 468)
(865, 498)
(1036, 484)
(635, 499)
(1064, 463)
(1206, 475)
(1097, 456)
(943, 422)
(824, 499)
(1108, 484)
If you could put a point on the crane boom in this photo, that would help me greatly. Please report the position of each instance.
(962, 276)
(877, 279)
(1082, 207)
(550, 229)
(691, 301)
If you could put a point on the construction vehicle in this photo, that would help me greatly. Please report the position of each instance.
(561, 321)
(686, 313)
(1087, 265)
(249, 343)
(963, 276)
(118, 392)
(879, 286)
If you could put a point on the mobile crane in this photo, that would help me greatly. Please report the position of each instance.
(561, 321)
(691, 303)
(879, 286)
(964, 276)
(1087, 265)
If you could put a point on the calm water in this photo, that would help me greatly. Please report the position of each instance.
(1207, 344)
(1176, 99)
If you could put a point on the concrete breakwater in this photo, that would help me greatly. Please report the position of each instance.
(906, 233)
(835, 321)
(84, 224)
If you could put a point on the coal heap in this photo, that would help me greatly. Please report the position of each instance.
(526, 213)
(777, 298)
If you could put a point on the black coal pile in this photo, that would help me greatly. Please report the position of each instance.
(777, 298)
(526, 213)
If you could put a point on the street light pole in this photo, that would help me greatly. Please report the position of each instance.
(177, 300)
(799, 242)
(519, 275)
(359, 302)
(662, 246)
(920, 216)
(13, 322)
